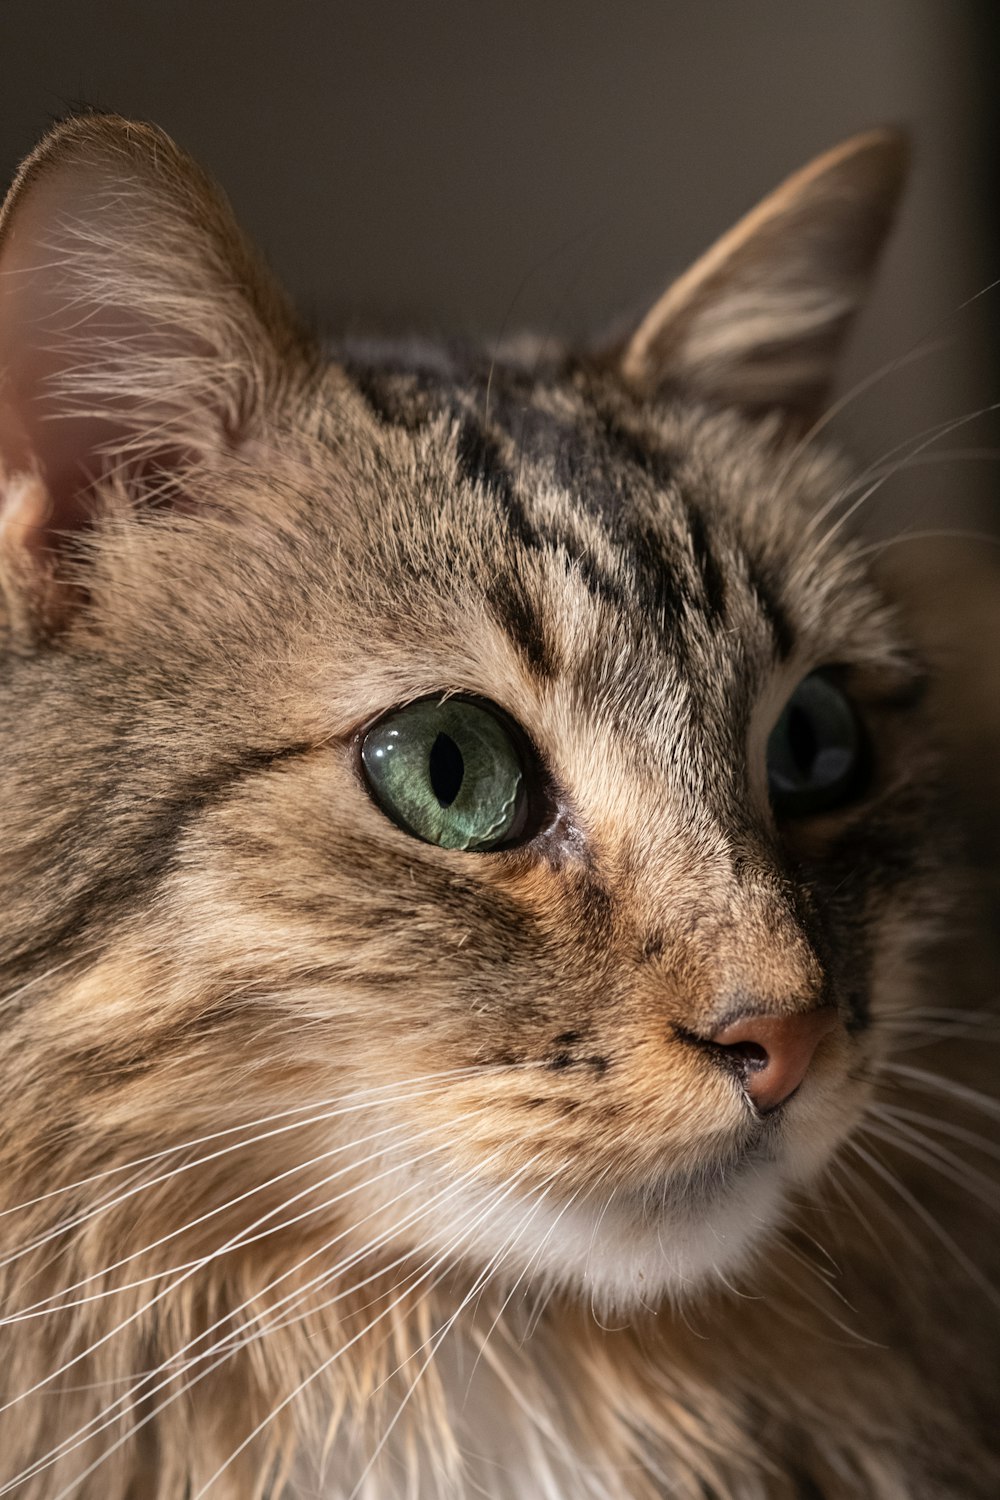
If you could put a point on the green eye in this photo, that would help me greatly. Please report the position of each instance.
(449, 771)
(816, 755)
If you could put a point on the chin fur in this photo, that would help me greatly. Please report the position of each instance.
(622, 1249)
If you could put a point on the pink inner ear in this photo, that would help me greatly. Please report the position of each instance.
(66, 344)
(45, 335)
(63, 452)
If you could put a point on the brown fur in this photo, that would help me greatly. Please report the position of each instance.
(222, 557)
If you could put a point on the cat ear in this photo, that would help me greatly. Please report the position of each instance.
(138, 336)
(758, 322)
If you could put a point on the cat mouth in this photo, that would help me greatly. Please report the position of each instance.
(670, 1192)
(624, 1246)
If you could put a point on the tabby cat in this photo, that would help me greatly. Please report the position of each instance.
(472, 837)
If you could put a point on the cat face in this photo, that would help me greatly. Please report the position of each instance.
(316, 615)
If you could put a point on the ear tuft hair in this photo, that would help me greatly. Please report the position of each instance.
(758, 322)
(138, 333)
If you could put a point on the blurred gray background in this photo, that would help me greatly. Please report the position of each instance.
(471, 167)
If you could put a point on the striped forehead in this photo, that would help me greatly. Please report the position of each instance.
(591, 523)
(608, 512)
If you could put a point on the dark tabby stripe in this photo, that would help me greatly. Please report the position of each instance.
(625, 447)
(481, 462)
(520, 617)
(121, 884)
(592, 462)
(771, 607)
(713, 581)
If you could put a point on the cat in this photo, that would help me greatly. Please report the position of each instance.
(474, 845)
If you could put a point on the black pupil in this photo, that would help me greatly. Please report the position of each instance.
(447, 769)
(802, 739)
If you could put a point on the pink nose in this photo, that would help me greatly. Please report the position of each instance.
(772, 1053)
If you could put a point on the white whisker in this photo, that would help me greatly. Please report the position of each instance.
(231, 1344)
(944, 1127)
(928, 1219)
(803, 569)
(45, 1307)
(316, 1111)
(914, 1143)
(935, 1083)
(326, 1364)
(438, 1338)
(236, 1242)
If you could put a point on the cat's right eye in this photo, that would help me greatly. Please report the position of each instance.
(452, 771)
(817, 754)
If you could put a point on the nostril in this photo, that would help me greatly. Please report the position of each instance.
(746, 1054)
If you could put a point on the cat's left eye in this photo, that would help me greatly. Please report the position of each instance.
(452, 771)
(817, 751)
